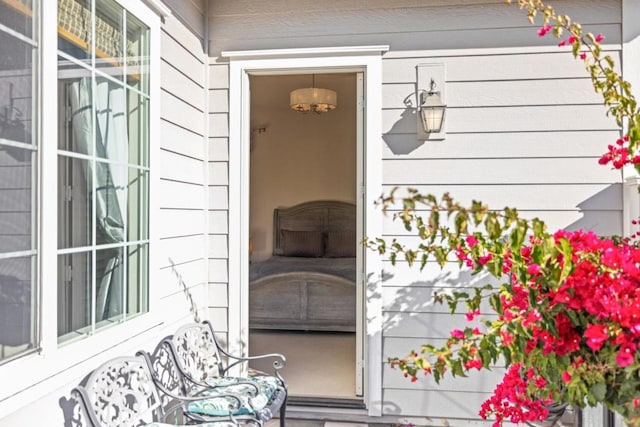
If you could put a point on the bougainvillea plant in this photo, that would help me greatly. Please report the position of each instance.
(565, 320)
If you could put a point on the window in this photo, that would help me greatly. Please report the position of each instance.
(18, 177)
(103, 171)
(103, 166)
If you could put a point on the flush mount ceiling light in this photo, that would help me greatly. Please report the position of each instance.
(315, 99)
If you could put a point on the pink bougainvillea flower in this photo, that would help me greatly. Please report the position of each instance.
(484, 259)
(599, 38)
(596, 336)
(471, 314)
(471, 241)
(544, 30)
(572, 39)
(583, 56)
(566, 377)
(457, 333)
(473, 364)
(625, 355)
(533, 269)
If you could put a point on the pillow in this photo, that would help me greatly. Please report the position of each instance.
(302, 243)
(341, 244)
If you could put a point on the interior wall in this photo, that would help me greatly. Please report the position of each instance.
(298, 157)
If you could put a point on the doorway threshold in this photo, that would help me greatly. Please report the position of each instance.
(325, 402)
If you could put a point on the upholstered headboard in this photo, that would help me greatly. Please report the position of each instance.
(322, 215)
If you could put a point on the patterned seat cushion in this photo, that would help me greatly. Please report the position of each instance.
(269, 392)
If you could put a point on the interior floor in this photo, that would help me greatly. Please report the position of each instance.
(319, 364)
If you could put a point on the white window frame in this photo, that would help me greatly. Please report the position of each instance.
(366, 59)
(34, 375)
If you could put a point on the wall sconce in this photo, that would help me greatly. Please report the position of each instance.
(432, 109)
(430, 106)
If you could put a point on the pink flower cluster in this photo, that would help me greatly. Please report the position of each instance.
(618, 154)
(597, 308)
(510, 400)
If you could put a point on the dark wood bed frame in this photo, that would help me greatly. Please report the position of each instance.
(303, 300)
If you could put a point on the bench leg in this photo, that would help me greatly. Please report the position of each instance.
(283, 411)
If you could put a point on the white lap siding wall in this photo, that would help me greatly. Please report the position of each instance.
(524, 129)
(183, 187)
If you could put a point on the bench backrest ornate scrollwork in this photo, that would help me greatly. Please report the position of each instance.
(197, 351)
(120, 392)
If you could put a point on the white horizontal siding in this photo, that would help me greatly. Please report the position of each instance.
(501, 93)
(476, 381)
(493, 66)
(181, 222)
(191, 14)
(502, 145)
(528, 197)
(422, 25)
(524, 129)
(181, 249)
(506, 119)
(182, 196)
(181, 86)
(419, 299)
(181, 113)
(180, 168)
(218, 271)
(218, 222)
(183, 52)
(604, 222)
(218, 178)
(497, 171)
(181, 140)
(444, 407)
(218, 149)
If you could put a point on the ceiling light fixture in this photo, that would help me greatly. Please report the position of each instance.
(314, 99)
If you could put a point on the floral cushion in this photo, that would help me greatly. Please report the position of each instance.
(252, 403)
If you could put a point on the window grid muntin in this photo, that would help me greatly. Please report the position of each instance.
(100, 73)
(95, 73)
(35, 315)
(18, 35)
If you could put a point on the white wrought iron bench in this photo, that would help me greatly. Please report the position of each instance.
(201, 367)
(121, 392)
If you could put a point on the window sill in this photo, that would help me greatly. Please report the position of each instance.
(34, 376)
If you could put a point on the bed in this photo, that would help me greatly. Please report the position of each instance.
(310, 281)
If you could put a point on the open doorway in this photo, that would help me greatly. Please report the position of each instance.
(304, 194)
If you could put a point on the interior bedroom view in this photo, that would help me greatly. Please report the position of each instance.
(303, 236)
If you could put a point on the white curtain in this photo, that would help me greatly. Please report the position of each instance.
(110, 180)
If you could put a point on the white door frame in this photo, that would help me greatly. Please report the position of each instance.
(365, 59)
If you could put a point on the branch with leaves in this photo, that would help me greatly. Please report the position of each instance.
(616, 92)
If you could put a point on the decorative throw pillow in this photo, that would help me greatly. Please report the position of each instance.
(302, 243)
(341, 244)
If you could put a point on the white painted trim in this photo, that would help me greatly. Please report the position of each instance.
(524, 50)
(48, 187)
(289, 61)
(306, 52)
(159, 7)
(360, 209)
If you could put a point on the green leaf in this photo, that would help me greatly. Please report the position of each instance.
(599, 391)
